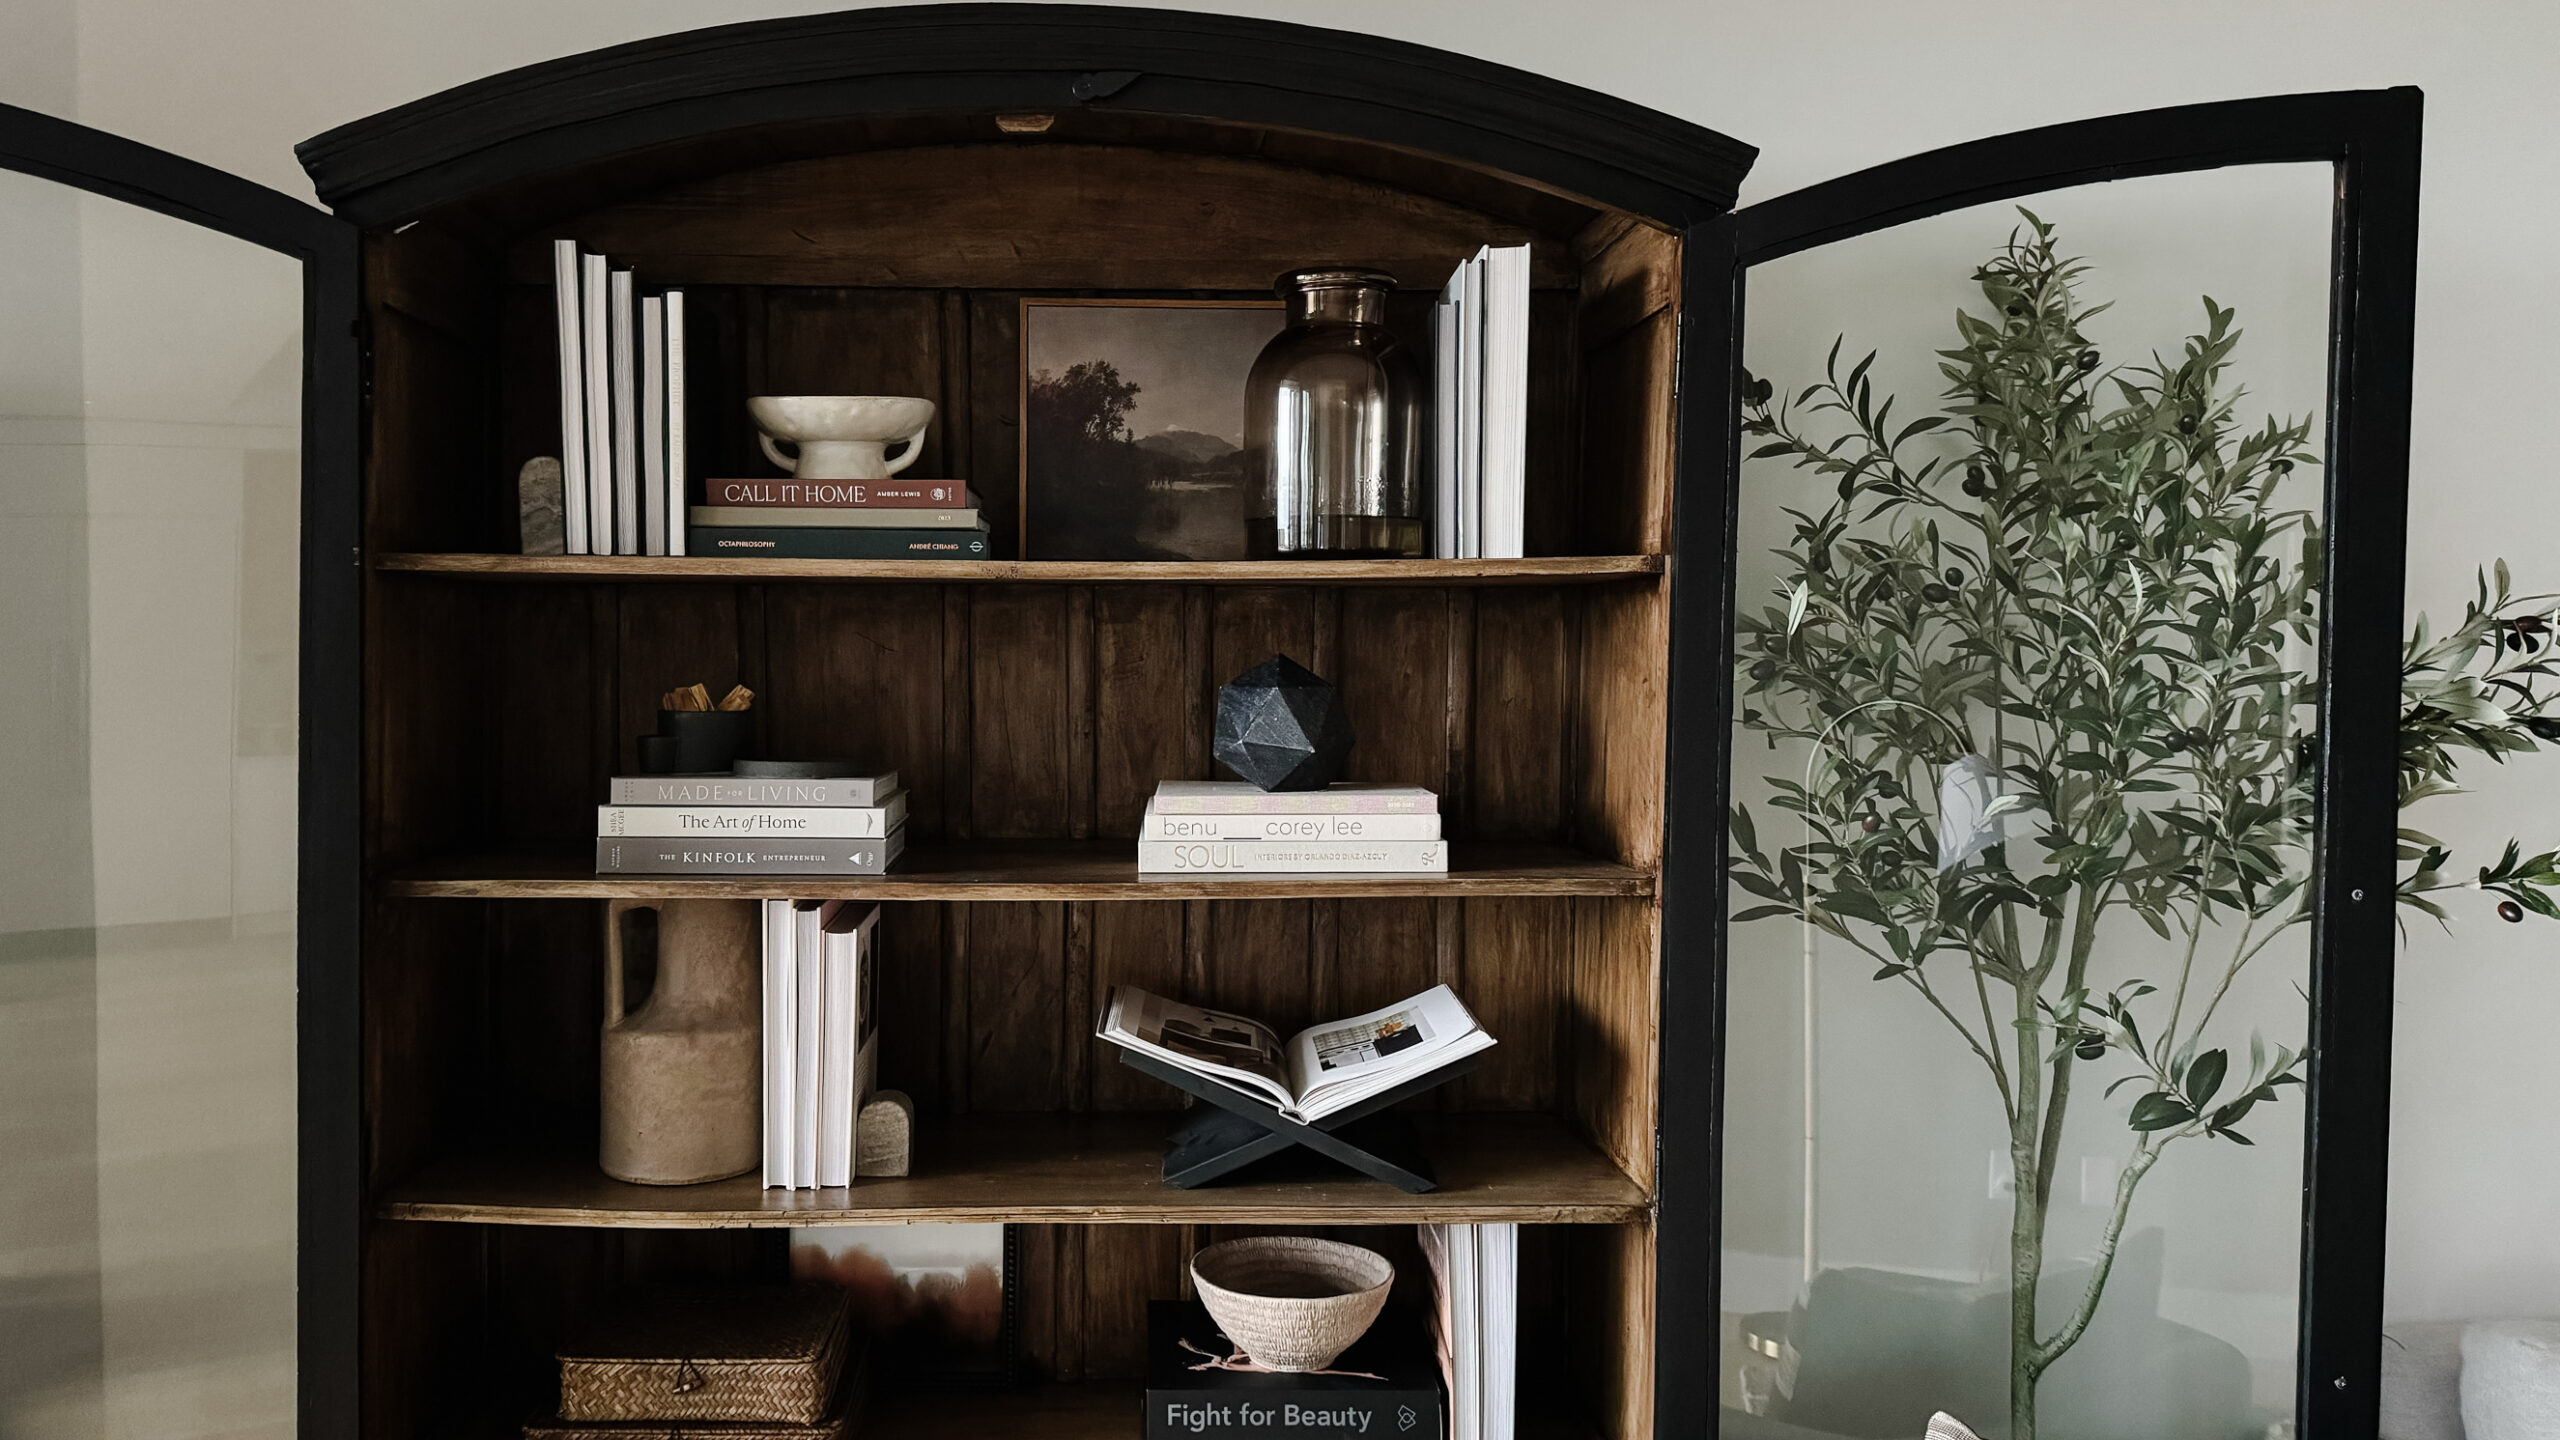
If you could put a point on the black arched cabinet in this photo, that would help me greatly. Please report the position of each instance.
(859, 203)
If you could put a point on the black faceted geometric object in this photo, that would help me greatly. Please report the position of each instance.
(1282, 727)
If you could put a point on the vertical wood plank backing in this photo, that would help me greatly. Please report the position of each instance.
(858, 672)
(911, 1003)
(1125, 1266)
(425, 970)
(1393, 673)
(862, 342)
(995, 417)
(421, 1301)
(1613, 1026)
(1135, 942)
(1514, 977)
(429, 414)
(1019, 701)
(1517, 757)
(1611, 1284)
(1147, 702)
(1383, 950)
(1045, 1295)
(1627, 404)
(1617, 729)
(1017, 987)
(545, 1011)
(1258, 962)
(545, 675)
(669, 638)
(427, 712)
(1553, 497)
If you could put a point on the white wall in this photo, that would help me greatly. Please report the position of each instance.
(1823, 87)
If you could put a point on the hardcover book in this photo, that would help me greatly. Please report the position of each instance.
(1408, 825)
(784, 542)
(831, 822)
(624, 856)
(1312, 1074)
(878, 518)
(726, 789)
(898, 494)
(1292, 857)
(1383, 1388)
(1242, 797)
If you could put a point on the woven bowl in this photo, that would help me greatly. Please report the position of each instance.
(1291, 1302)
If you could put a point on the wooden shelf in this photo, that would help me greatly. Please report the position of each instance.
(1026, 870)
(1060, 1169)
(1537, 570)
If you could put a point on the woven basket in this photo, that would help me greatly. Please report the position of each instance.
(837, 1426)
(765, 1354)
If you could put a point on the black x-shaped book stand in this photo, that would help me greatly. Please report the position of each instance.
(1235, 1129)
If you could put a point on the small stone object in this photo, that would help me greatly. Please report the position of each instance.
(1282, 727)
(539, 507)
(884, 1135)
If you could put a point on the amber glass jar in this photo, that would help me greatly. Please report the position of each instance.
(1333, 426)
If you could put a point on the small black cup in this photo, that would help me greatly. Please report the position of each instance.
(704, 741)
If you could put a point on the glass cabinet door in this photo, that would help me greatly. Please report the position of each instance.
(2032, 642)
(152, 388)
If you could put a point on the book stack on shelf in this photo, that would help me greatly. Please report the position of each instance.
(892, 519)
(1480, 408)
(1382, 1388)
(821, 1038)
(743, 825)
(1232, 827)
(622, 400)
(1475, 1277)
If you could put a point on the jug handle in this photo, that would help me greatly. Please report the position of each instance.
(614, 910)
(790, 464)
(915, 447)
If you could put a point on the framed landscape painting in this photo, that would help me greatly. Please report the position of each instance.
(937, 1300)
(1133, 426)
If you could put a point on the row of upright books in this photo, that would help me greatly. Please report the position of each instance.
(821, 1038)
(1480, 463)
(740, 825)
(1233, 827)
(622, 408)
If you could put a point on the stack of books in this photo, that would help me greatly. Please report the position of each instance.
(621, 409)
(1480, 463)
(821, 1037)
(1198, 1387)
(739, 825)
(893, 519)
(1231, 827)
(1475, 1321)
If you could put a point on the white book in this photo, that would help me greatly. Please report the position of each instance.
(1498, 1324)
(847, 937)
(624, 318)
(1454, 1258)
(781, 989)
(595, 350)
(808, 1042)
(1157, 825)
(1502, 526)
(826, 822)
(653, 425)
(1445, 418)
(1292, 857)
(573, 396)
(675, 422)
(1471, 409)
(1242, 797)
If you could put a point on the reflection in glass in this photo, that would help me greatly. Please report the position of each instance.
(150, 480)
(2022, 827)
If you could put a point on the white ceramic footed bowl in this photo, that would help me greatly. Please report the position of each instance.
(1292, 1302)
(841, 437)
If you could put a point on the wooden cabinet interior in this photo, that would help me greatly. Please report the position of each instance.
(890, 257)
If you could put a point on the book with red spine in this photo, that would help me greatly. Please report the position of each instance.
(893, 494)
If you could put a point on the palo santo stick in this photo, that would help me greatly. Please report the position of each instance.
(689, 697)
(738, 698)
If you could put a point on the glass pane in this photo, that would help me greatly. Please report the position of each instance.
(2026, 663)
(150, 478)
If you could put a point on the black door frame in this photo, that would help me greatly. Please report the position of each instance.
(329, 1140)
(2372, 138)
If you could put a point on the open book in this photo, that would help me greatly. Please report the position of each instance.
(1313, 1073)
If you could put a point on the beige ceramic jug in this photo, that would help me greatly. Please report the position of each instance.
(683, 1074)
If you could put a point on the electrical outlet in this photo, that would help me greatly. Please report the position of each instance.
(2002, 1183)
(2098, 1180)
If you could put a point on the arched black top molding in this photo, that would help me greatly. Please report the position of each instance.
(943, 58)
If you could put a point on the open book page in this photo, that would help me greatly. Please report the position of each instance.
(1243, 1052)
(1338, 1064)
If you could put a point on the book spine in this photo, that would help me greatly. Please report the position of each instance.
(835, 822)
(623, 319)
(594, 350)
(779, 1027)
(1289, 857)
(675, 422)
(1279, 1413)
(1471, 411)
(722, 790)
(627, 856)
(1265, 826)
(1506, 402)
(808, 956)
(871, 519)
(837, 494)
(784, 542)
(1300, 802)
(653, 425)
(573, 396)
